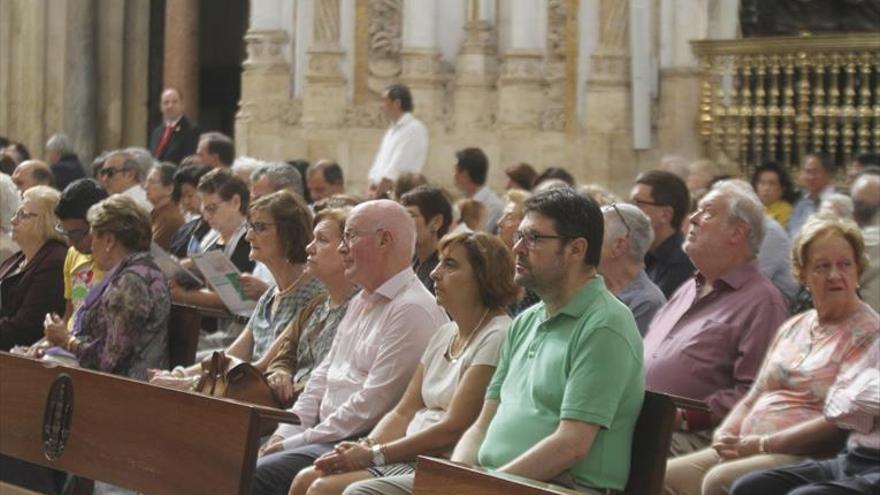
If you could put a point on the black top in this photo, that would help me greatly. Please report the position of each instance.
(668, 266)
(66, 170)
(423, 270)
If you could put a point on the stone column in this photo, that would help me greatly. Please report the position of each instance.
(420, 59)
(519, 84)
(181, 58)
(476, 68)
(265, 81)
(324, 99)
(608, 122)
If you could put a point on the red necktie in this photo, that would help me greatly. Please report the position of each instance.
(166, 136)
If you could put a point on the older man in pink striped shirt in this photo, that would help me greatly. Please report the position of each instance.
(377, 346)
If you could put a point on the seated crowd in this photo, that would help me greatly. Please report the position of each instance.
(517, 332)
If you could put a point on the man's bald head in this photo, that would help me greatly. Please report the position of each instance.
(392, 217)
(378, 243)
(866, 198)
(32, 173)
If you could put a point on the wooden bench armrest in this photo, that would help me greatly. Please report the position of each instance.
(440, 476)
(279, 415)
(688, 403)
(220, 314)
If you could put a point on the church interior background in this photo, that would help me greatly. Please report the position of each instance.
(605, 88)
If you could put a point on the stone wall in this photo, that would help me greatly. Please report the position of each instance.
(74, 66)
(519, 104)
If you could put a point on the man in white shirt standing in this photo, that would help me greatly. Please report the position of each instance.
(404, 147)
(471, 169)
(377, 347)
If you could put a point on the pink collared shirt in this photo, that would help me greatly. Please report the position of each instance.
(854, 400)
(711, 349)
(376, 350)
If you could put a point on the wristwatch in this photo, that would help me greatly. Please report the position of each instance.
(378, 455)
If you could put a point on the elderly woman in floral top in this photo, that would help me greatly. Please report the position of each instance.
(780, 420)
(122, 326)
(307, 339)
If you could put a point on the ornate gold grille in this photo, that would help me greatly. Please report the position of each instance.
(776, 99)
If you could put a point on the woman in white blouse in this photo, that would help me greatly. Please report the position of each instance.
(474, 283)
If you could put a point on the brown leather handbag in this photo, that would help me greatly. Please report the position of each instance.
(232, 378)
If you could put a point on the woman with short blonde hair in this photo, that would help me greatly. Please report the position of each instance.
(31, 280)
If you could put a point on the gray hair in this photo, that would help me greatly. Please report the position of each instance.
(61, 143)
(144, 160)
(744, 206)
(281, 176)
(641, 235)
(838, 204)
(128, 163)
(9, 201)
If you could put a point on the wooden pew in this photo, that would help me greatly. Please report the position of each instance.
(647, 466)
(131, 434)
(184, 324)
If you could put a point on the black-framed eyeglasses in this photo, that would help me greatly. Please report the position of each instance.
(259, 227)
(110, 172)
(74, 235)
(642, 202)
(531, 239)
(622, 219)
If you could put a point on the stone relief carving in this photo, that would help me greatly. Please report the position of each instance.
(556, 13)
(385, 28)
(264, 50)
(327, 22)
(287, 111)
(368, 115)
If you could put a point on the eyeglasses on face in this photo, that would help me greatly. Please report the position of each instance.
(109, 173)
(20, 214)
(531, 239)
(643, 202)
(74, 235)
(350, 236)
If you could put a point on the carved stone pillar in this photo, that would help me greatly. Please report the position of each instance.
(519, 84)
(324, 99)
(421, 69)
(265, 86)
(476, 68)
(608, 120)
(181, 62)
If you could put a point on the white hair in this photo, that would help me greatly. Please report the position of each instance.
(641, 235)
(144, 160)
(281, 176)
(61, 143)
(246, 164)
(744, 206)
(9, 201)
(838, 204)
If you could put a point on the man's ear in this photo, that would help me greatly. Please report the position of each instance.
(435, 223)
(578, 248)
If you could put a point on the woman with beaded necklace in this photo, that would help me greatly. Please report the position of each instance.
(474, 283)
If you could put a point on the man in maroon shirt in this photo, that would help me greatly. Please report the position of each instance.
(709, 340)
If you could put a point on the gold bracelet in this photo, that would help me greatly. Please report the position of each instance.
(70, 342)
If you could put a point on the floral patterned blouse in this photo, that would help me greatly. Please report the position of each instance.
(123, 322)
(802, 364)
(275, 309)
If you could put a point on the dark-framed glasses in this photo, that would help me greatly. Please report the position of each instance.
(531, 239)
(74, 235)
(259, 227)
(622, 219)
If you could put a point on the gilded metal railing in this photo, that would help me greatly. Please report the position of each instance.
(778, 99)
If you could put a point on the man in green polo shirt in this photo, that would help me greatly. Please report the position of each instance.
(564, 400)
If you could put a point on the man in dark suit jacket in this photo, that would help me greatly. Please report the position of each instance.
(176, 137)
(63, 161)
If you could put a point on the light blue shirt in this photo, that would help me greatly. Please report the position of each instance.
(804, 207)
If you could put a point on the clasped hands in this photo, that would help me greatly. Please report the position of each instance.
(732, 446)
(344, 458)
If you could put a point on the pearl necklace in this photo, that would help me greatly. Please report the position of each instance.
(449, 354)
